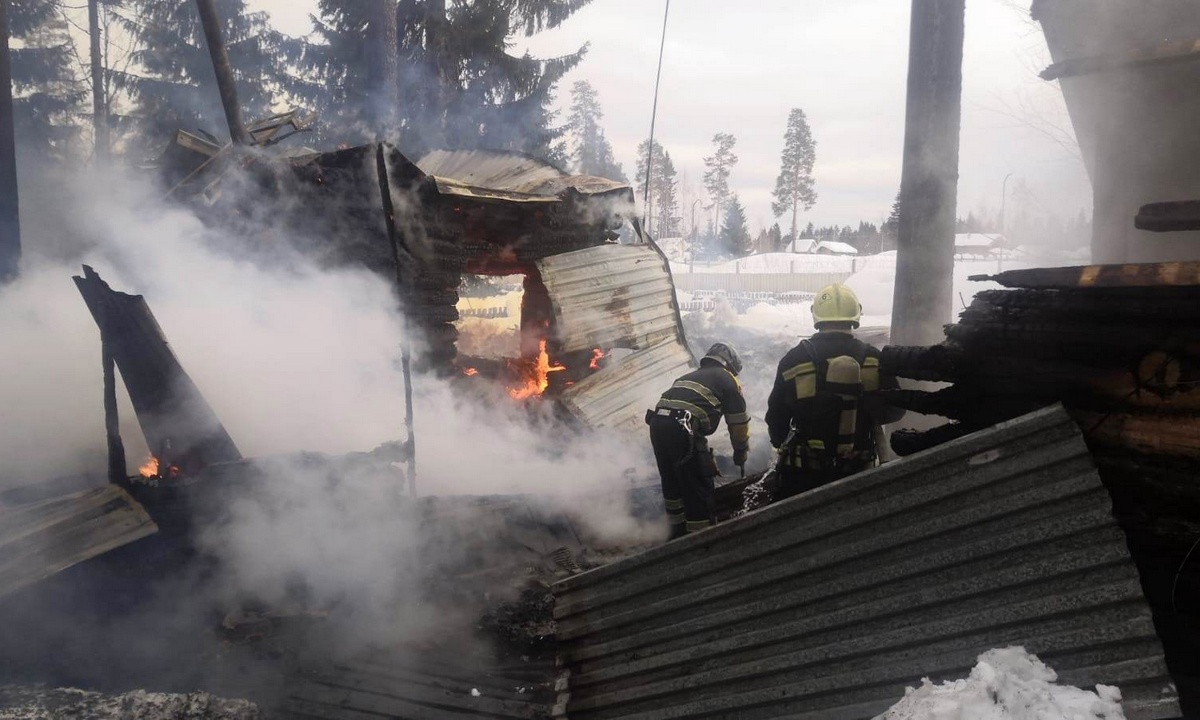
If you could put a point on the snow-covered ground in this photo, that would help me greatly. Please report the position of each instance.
(1007, 684)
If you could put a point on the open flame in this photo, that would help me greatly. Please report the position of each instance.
(470, 372)
(149, 468)
(537, 378)
(597, 356)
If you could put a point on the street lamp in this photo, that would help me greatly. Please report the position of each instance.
(1003, 227)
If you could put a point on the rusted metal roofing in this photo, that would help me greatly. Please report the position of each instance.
(829, 604)
(41, 538)
(507, 176)
(610, 296)
(617, 296)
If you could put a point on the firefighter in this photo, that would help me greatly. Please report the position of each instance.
(825, 411)
(679, 424)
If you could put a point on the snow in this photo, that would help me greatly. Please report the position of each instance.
(978, 240)
(786, 262)
(1007, 684)
(837, 248)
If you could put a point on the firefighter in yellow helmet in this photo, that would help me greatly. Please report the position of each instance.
(825, 405)
(686, 414)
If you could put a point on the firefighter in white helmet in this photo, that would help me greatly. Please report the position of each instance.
(684, 417)
(825, 406)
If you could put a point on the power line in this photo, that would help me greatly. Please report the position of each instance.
(653, 116)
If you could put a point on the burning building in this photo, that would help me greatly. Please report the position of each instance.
(593, 282)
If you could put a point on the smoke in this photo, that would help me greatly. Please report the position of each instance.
(292, 358)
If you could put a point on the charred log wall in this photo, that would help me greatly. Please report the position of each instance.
(1119, 346)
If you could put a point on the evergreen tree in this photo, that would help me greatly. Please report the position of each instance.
(795, 185)
(775, 238)
(46, 91)
(809, 231)
(460, 87)
(718, 167)
(175, 86)
(592, 153)
(664, 217)
(666, 208)
(735, 236)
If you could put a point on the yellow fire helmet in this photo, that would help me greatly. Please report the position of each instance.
(836, 303)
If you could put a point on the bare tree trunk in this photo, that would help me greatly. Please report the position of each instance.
(226, 84)
(796, 220)
(929, 179)
(10, 217)
(437, 98)
(99, 101)
(384, 74)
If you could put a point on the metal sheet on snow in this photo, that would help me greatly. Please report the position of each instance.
(830, 604)
(42, 538)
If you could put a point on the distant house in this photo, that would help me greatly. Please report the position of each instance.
(833, 247)
(977, 243)
(802, 245)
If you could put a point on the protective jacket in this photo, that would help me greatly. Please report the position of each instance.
(798, 377)
(709, 393)
(679, 423)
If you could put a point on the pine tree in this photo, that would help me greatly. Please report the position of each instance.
(795, 185)
(735, 236)
(459, 85)
(718, 166)
(592, 153)
(666, 207)
(45, 87)
(175, 87)
(663, 198)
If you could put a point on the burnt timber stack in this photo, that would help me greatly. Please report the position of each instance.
(1119, 346)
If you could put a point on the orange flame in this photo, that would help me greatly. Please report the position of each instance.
(149, 468)
(597, 356)
(538, 378)
(470, 372)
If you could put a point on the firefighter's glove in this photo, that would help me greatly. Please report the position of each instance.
(739, 457)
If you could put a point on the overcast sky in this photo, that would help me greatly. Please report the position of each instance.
(740, 66)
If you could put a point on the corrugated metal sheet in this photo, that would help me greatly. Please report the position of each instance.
(829, 604)
(508, 176)
(617, 296)
(422, 689)
(42, 538)
(610, 296)
(619, 395)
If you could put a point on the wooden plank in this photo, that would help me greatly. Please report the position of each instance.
(44, 538)
(180, 426)
(1168, 274)
(1169, 216)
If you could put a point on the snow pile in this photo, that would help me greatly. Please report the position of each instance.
(1007, 684)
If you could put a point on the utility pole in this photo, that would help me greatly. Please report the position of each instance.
(226, 84)
(99, 101)
(929, 180)
(10, 217)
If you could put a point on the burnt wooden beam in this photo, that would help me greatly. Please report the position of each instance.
(180, 426)
(226, 83)
(1178, 216)
(117, 471)
(1147, 275)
